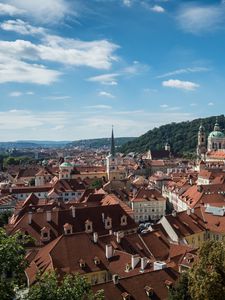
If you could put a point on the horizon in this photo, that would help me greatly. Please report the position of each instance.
(70, 69)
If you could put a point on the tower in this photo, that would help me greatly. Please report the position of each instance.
(201, 147)
(167, 147)
(111, 161)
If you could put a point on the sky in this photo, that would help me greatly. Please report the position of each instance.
(70, 69)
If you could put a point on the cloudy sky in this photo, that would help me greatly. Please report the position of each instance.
(69, 69)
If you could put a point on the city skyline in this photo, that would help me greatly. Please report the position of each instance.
(71, 69)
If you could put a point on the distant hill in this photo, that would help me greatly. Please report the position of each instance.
(33, 144)
(181, 136)
(101, 142)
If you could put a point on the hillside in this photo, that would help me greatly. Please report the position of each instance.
(101, 142)
(181, 136)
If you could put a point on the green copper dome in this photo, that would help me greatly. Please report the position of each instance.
(66, 165)
(216, 134)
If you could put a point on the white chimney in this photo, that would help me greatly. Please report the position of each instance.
(134, 260)
(73, 211)
(115, 279)
(95, 237)
(188, 211)
(49, 215)
(192, 210)
(118, 239)
(103, 217)
(144, 262)
(30, 217)
(108, 251)
(174, 213)
(159, 265)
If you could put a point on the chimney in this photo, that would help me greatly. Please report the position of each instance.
(48, 215)
(73, 211)
(144, 262)
(108, 251)
(188, 211)
(115, 279)
(159, 265)
(30, 217)
(174, 213)
(118, 239)
(103, 217)
(134, 260)
(192, 210)
(95, 237)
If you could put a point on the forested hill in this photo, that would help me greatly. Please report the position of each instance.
(101, 142)
(181, 136)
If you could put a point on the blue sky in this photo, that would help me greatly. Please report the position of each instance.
(69, 69)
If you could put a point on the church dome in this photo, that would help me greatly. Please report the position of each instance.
(216, 134)
(66, 165)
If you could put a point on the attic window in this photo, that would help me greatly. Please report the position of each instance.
(125, 296)
(168, 284)
(148, 290)
(96, 260)
(82, 263)
(124, 220)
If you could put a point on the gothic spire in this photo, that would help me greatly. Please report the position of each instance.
(112, 148)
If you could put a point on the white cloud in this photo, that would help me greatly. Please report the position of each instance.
(45, 11)
(57, 97)
(127, 2)
(15, 94)
(201, 18)
(99, 106)
(178, 84)
(135, 68)
(10, 10)
(21, 27)
(210, 104)
(106, 94)
(22, 60)
(23, 119)
(14, 70)
(106, 79)
(95, 54)
(158, 9)
(164, 105)
(184, 71)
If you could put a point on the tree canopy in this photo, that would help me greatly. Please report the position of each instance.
(12, 263)
(182, 137)
(71, 287)
(206, 279)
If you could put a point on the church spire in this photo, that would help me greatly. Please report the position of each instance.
(217, 126)
(112, 148)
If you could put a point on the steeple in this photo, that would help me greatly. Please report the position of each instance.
(112, 148)
(217, 126)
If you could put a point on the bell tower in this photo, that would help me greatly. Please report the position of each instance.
(201, 147)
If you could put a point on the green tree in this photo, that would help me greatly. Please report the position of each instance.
(180, 291)
(71, 287)
(207, 276)
(4, 216)
(12, 263)
(96, 184)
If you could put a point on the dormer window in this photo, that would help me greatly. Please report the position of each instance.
(68, 229)
(96, 260)
(168, 284)
(123, 220)
(82, 263)
(88, 226)
(149, 290)
(125, 296)
(108, 223)
(45, 234)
